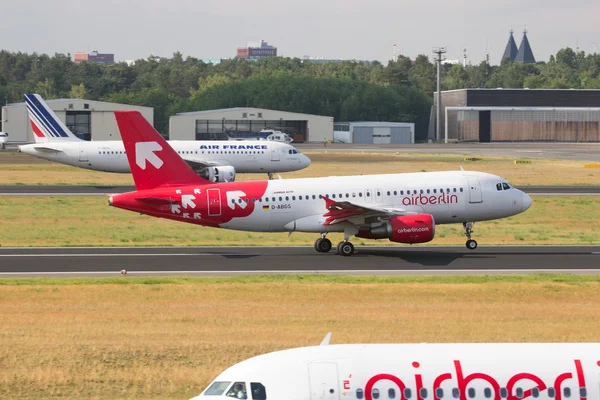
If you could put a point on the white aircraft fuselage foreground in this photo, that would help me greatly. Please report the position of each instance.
(482, 371)
(217, 161)
(403, 208)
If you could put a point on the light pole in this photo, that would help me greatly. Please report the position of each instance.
(439, 51)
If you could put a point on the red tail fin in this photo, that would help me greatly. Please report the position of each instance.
(152, 160)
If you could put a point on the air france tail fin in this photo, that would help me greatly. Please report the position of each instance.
(152, 160)
(46, 125)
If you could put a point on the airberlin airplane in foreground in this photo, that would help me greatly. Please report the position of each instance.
(514, 371)
(403, 208)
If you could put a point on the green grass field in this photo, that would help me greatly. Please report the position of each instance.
(21, 169)
(89, 221)
(169, 337)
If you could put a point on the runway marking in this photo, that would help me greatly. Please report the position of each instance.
(315, 272)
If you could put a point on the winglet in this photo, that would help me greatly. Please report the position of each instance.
(326, 340)
(152, 160)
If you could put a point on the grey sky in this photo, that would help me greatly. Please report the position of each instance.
(346, 29)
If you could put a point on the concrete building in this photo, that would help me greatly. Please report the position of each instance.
(94, 56)
(491, 115)
(254, 51)
(374, 132)
(89, 119)
(219, 124)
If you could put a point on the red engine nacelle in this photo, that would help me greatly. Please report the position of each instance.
(419, 228)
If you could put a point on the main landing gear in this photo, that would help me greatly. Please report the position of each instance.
(344, 248)
(471, 244)
(270, 175)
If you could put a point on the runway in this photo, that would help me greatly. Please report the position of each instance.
(231, 261)
(81, 190)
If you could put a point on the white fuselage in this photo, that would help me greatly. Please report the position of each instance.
(417, 371)
(449, 196)
(246, 157)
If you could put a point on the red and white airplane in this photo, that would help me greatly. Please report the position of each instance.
(403, 208)
(479, 371)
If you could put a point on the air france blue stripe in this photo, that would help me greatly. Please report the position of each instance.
(42, 110)
(41, 124)
(45, 124)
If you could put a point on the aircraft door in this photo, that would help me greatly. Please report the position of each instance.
(213, 198)
(368, 196)
(275, 156)
(323, 377)
(83, 157)
(475, 195)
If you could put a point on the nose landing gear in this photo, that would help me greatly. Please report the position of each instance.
(471, 244)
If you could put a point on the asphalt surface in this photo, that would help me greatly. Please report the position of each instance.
(80, 190)
(229, 261)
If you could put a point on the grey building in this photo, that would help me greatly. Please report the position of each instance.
(489, 115)
(88, 119)
(244, 121)
(374, 132)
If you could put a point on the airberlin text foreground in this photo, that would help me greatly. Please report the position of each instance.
(403, 208)
(557, 371)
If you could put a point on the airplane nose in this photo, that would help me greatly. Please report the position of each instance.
(306, 162)
(526, 201)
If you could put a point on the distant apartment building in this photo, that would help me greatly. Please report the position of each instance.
(96, 57)
(255, 51)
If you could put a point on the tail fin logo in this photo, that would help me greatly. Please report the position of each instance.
(145, 152)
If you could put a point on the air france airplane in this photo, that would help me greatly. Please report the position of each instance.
(513, 371)
(216, 161)
(404, 208)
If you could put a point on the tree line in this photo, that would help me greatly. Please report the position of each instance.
(402, 90)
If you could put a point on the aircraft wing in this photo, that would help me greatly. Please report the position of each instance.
(341, 211)
(197, 163)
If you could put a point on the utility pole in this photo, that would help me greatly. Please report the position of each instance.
(438, 131)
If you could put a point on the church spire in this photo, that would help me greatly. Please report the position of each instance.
(511, 48)
(525, 54)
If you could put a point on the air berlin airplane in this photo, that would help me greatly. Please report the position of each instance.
(416, 371)
(403, 208)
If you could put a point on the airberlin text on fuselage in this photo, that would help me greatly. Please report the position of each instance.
(234, 147)
(462, 381)
(422, 200)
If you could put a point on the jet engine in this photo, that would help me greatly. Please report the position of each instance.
(225, 173)
(418, 228)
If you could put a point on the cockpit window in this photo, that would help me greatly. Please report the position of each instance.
(498, 186)
(238, 391)
(258, 391)
(505, 185)
(216, 389)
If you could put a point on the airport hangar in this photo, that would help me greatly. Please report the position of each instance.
(374, 132)
(88, 119)
(495, 115)
(218, 124)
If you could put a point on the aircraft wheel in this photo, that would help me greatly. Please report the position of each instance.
(323, 245)
(471, 244)
(345, 249)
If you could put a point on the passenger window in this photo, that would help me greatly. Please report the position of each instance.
(551, 392)
(280, 198)
(388, 193)
(287, 198)
(582, 392)
(359, 393)
(455, 393)
(519, 393)
(461, 189)
(535, 392)
(368, 194)
(402, 192)
(439, 393)
(505, 186)
(498, 186)
(253, 200)
(314, 197)
(567, 392)
(293, 197)
(391, 393)
(258, 391)
(347, 195)
(454, 190)
(375, 393)
(360, 194)
(487, 392)
(395, 193)
(299, 197)
(471, 393)
(503, 393)
(421, 191)
(423, 393)
(216, 389)
(333, 195)
(238, 390)
(272, 198)
(407, 393)
(428, 191)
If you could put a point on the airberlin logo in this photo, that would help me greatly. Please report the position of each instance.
(413, 230)
(461, 380)
(423, 200)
